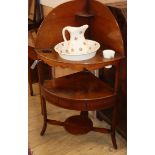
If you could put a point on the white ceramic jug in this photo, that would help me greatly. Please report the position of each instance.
(77, 43)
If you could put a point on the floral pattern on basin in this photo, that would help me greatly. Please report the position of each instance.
(93, 46)
(77, 45)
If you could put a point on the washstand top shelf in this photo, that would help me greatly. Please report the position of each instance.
(52, 58)
(103, 28)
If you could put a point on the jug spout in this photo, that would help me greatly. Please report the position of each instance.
(84, 27)
(77, 42)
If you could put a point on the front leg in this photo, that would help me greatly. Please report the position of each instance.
(44, 115)
(113, 127)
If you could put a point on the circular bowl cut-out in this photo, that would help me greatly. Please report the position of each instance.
(73, 55)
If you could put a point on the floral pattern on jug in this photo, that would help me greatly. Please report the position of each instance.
(77, 48)
(77, 43)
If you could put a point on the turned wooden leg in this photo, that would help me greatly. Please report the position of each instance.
(84, 113)
(113, 127)
(41, 79)
(29, 79)
(44, 116)
(41, 100)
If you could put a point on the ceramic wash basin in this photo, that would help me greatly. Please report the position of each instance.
(80, 55)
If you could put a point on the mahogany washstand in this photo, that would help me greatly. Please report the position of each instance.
(80, 91)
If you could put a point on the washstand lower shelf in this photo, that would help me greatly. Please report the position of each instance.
(76, 125)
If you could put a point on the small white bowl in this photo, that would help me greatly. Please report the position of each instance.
(108, 54)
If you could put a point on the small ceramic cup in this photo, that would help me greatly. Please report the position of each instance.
(108, 54)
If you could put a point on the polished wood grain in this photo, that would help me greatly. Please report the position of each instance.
(57, 141)
(104, 27)
(53, 59)
(81, 91)
(108, 76)
(78, 124)
(49, 33)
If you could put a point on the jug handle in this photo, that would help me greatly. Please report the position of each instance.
(63, 34)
